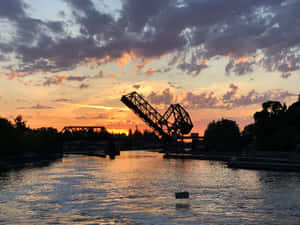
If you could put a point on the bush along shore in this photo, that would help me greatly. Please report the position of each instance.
(21, 146)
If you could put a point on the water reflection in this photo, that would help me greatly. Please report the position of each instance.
(139, 187)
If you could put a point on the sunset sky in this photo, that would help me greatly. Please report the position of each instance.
(68, 62)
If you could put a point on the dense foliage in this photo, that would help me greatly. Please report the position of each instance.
(18, 138)
(276, 128)
(223, 135)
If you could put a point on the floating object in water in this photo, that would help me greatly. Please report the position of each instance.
(180, 195)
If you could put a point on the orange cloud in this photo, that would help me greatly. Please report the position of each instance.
(13, 74)
(125, 58)
(20, 100)
(60, 78)
(242, 59)
(150, 71)
(145, 62)
(99, 75)
(113, 75)
(245, 59)
(91, 62)
(140, 66)
(204, 61)
(104, 60)
(55, 80)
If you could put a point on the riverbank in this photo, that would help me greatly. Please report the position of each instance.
(277, 161)
(27, 160)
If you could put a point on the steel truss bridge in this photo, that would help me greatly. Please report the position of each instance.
(175, 121)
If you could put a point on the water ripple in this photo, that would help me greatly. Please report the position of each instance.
(138, 188)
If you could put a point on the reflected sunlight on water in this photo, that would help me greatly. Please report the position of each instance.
(138, 188)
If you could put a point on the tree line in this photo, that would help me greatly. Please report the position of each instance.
(276, 127)
(17, 137)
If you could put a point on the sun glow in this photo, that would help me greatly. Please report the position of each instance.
(118, 131)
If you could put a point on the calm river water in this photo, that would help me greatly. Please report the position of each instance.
(138, 188)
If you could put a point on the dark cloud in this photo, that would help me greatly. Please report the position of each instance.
(136, 86)
(231, 93)
(229, 66)
(165, 97)
(286, 75)
(243, 68)
(37, 106)
(196, 29)
(84, 86)
(59, 79)
(193, 69)
(138, 13)
(167, 69)
(253, 97)
(90, 20)
(54, 80)
(86, 117)
(3, 58)
(200, 100)
(62, 13)
(174, 85)
(76, 78)
(62, 100)
(28, 30)
(13, 10)
(231, 99)
(208, 100)
(81, 118)
(100, 116)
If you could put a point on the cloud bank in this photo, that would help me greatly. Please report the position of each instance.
(262, 33)
(208, 100)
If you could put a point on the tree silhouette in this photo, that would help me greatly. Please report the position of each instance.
(18, 138)
(20, 123)
(275, 127)
(7, 136)
(222, 136)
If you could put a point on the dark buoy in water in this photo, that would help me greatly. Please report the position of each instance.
(181, 195)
